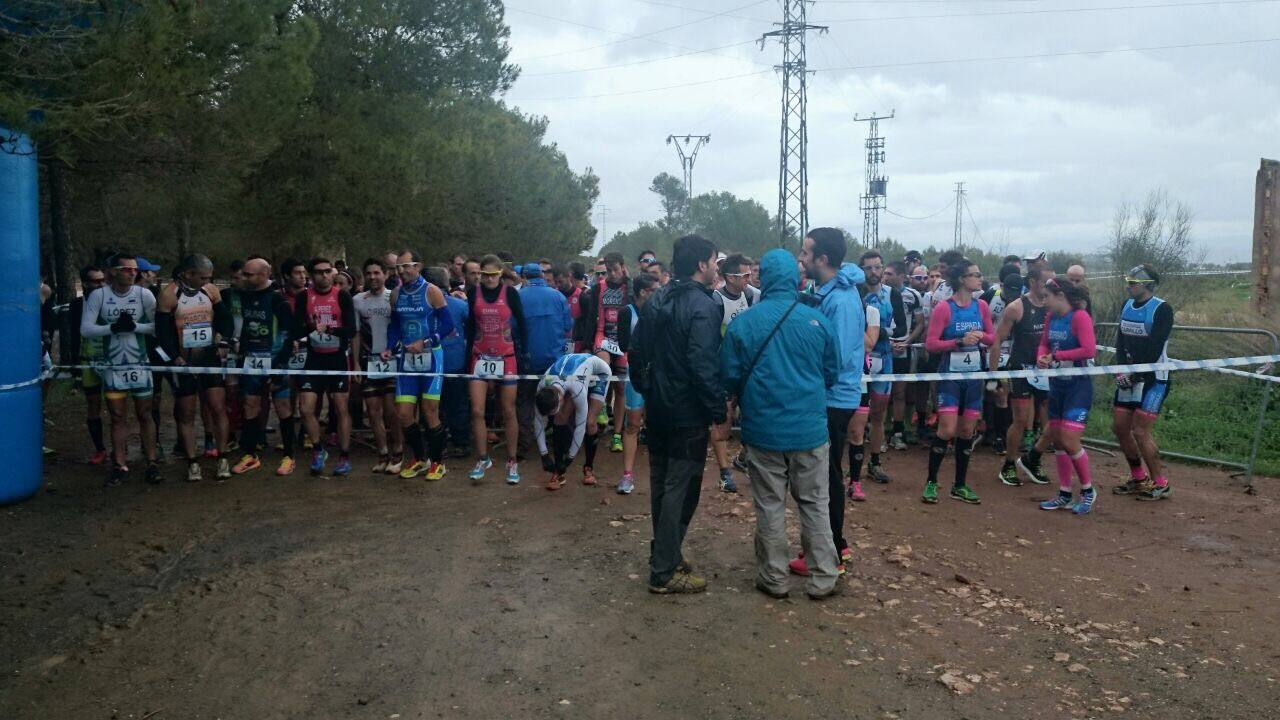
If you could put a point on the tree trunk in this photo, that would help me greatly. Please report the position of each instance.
(60, 229)
(184, 237)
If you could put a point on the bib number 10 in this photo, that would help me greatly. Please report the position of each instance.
(489, 368)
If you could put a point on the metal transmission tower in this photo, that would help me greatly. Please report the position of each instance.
(877, 184)
(793, 164)
(687, 158)
(959, 215)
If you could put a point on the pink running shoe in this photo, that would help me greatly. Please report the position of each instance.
(799, 566)
(855, 492)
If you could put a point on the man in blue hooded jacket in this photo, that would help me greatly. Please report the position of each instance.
(546, 320)
(779, 360)
(836, 288)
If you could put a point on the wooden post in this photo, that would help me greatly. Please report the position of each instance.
(1266, 241)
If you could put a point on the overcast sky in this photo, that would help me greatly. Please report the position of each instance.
(1047, 147)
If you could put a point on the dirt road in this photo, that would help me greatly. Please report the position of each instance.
(381, 598)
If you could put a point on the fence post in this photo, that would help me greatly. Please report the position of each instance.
(1262, 417)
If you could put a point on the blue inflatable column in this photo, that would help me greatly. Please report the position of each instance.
(21, 415)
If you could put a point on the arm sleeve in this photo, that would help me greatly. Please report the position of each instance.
(280, 308)
(470, 326)
(1122, 352)
(1043, 348)
(1082, 327)
(988, 329)
(146, 325)
(223, 322)
(579, 420)
(940, 318)
(443, 318)
(586, 325)
(899, 312)
(624, 328)
(703, 350)
(1162, 325)
(301, 323)
(519, 331)
(89, 326)
(393, 323)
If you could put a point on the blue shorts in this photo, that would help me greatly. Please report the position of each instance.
(634, 400)
(1070, 400)
(412, 388)
(261, 384)
(881, 387)
(960, 397)
(1153, 394)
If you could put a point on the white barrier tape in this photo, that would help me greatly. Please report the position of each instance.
(890, 377)
(26, 383)
(1262, 375)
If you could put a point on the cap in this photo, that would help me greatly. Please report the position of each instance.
(1035, 256)
(518, 269)
(147, 265)
(913, 255)
(532, 270)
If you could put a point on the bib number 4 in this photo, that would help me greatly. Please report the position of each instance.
(966, 361)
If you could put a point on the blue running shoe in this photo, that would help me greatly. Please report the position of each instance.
(513, 472)
(1058, 503)
(1086, 503)
(627, 484)
(727, 485)
(318, 458)
(477, 472)
(344, 466)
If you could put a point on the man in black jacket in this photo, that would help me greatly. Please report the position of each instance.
(676, 367)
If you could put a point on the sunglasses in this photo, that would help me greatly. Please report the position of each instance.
(648, 260)
(490, 272)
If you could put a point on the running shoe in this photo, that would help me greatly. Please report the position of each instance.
(846, 556)
(1130, 487)
(930, 494)
(233, 444)
(555, 482)
(977, 439)
(394, 465)
(681, 582)
(1086, 503)
(964, 493)
(999, 445)
(413, 469)
(798, 566)
(477, 472)
(193, 472)
(318, 458)
(740, 461)
(344, 466)
(615, 445)
(877, 473)
(1035, 473)
(884, 447)
(588, 476)
(285, 467)
(1059, 502)
(602, 418)
(1009, 475)
(380, 467)
(436, 471)
(897, 442)
(307, 444)
(224, 469)
(117, 476)
(627, 484)
(513, 472)
(210, 450)
(247, 463)
(153, 475)
(727, 484)
(98, 458)
(855, 492)
(1156, 492)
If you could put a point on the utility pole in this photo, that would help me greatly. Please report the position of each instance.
(687, 158)
(959, 215)
(604, 219)
(793, 168)
(877, 184)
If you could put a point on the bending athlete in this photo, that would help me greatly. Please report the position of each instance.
(572, 391)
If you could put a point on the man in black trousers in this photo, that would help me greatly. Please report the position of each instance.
(675, 365)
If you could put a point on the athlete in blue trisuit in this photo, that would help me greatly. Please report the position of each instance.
(572, 391)
(419, 319)
(1145, 324)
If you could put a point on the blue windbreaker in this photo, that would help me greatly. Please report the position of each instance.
(547, 320)
(841, 303)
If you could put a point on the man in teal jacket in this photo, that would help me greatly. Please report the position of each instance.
(784, 424)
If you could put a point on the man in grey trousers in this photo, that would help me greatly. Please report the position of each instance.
(778, 358)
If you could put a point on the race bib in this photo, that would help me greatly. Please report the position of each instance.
(130, 379)
(257, 362)
(298, 360)
(1039, 382)
(1004, 359)
(1131, 394)
(966, 360)
(489, 367)
(324, 341)
(610, 346)
(231, 361)
(197, 335)
(380, 369)
(417, 362)
(877, 365)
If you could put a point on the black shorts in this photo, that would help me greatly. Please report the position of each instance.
(377, 388)
(185, 385)
(929, 362)
(336, 362)
(902, 365)
(1021, 389)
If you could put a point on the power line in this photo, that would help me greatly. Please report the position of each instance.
(630, 36)
(1050, 11)
(654, 89)
(707, 51)
(930, 216)
(1040, 56)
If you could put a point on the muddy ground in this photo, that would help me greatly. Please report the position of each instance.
(374, 597)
